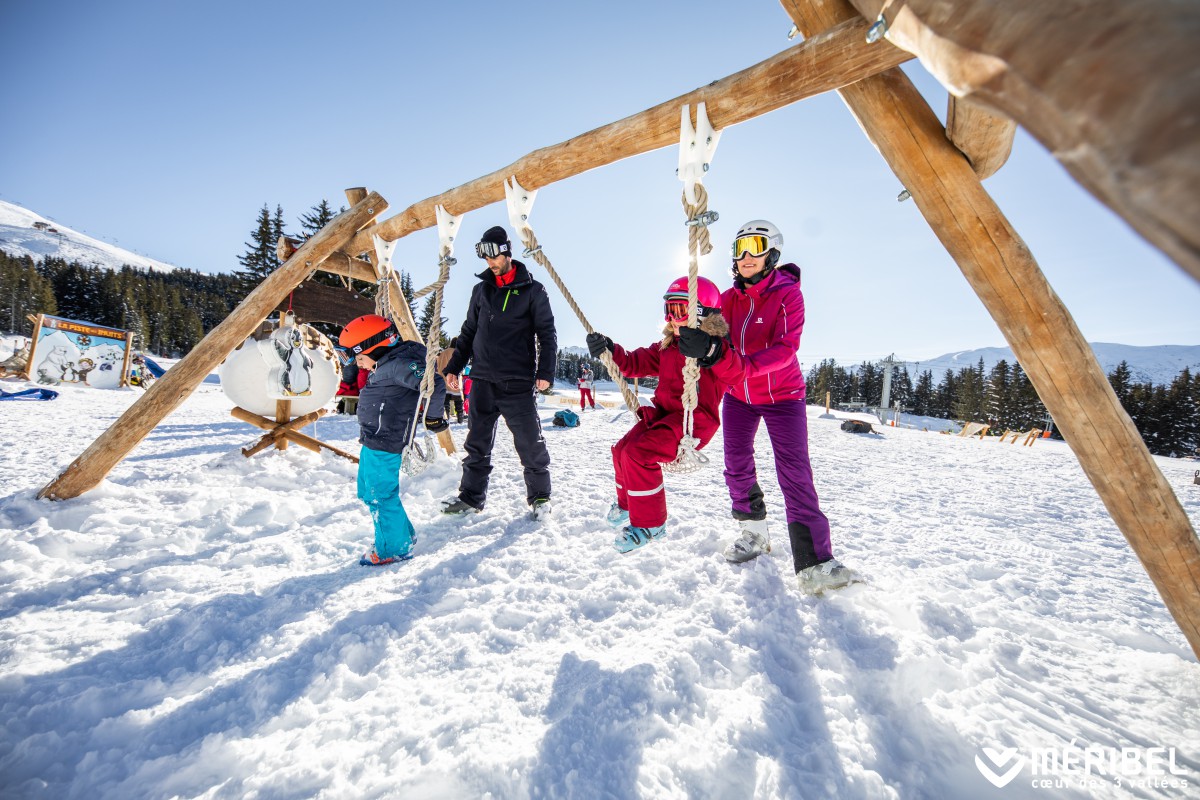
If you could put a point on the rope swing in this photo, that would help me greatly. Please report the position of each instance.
(520, 203)
(417, 455)
(696, 148)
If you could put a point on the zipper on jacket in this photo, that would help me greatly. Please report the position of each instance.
(379, 427)
(745, 322)
(506, 296)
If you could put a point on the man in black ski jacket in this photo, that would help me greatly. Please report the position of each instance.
(508, 338)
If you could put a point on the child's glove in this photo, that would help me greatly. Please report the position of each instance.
(597, 343)
(436, 424)
(705, 348)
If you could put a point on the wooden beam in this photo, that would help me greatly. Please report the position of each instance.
(402, 316)
(1109, 87)
(166, 393)
(1036, 324)
(823, 62)
(985, 138)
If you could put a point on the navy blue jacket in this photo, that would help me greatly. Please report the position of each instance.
(509, 331)
(386, 404)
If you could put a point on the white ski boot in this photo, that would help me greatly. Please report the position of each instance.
(831, 574)
(752, 543)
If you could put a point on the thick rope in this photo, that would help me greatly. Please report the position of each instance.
(414, 458)
(534, 250)
(689, 457)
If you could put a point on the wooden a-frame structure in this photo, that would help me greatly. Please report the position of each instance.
(1108, 87)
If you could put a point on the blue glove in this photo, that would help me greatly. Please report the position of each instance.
(597, 343)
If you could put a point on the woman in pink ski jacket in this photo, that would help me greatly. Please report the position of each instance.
(765, 312)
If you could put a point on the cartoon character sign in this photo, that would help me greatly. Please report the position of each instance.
(284, 361)
(290, 367)
(65, 351)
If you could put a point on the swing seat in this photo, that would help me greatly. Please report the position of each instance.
(688, 459)
(417, 457)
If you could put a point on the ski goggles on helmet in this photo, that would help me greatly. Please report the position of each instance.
(754, 244)
(388, 336)
(676, 309)
(491, 249)
(343, 356)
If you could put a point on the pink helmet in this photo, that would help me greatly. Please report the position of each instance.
(708, 299)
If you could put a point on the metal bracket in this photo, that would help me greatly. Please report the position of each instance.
(696, 148)
(448, 226)
(520, 204)
(383, 251)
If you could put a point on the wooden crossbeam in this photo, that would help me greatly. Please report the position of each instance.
(166, 393)
(1109, 87)
(1036, 324)
(985, 138)
(823, 62)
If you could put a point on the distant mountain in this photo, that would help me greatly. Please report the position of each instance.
(23, 232)
(1159, 364)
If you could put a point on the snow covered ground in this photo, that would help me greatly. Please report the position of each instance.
(198, 626)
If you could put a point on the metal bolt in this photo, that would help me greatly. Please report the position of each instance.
(904, 195)
(877, 31)
(794, 32)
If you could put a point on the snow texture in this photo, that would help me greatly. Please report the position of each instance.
(19, 237)
(198, 625)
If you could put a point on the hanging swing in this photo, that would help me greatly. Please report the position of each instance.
(419, 453)
(696, 148)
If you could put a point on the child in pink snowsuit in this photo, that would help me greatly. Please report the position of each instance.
(654, 440)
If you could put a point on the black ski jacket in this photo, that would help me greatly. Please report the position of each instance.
(509, 331)
(386, 404)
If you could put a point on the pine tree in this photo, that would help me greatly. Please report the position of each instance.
(260, 258)
(317, 218)
(23, 291)
(922, 402)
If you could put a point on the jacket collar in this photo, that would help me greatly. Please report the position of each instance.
(523, 277)
(782, 275)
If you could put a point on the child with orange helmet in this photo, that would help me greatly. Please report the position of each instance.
(386, 405)
(641, 506)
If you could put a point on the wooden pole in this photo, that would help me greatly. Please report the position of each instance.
(834, 58)
(1109, 87)
(128, 358)
(986, 139)
(283, 415)
(166, 393)
(1036, 324)
(30, 374)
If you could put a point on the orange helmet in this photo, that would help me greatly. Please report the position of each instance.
(368, 332)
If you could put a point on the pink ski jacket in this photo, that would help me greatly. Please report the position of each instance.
(765, 323)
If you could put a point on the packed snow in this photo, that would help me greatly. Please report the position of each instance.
(199, 626)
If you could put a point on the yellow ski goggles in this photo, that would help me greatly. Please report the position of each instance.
(755, 245)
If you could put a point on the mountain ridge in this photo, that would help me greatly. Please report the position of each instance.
(26, 233)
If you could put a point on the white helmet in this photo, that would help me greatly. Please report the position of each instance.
(759, 227)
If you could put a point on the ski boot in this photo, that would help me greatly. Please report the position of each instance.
(831, 574)
(540, 509)
(753, 541)
(456, 506)
(372, 559)
(616, 516)
(632, 538)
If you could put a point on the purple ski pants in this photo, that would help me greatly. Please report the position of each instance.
(787, 427)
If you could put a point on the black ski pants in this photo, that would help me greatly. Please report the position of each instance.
(515, 401)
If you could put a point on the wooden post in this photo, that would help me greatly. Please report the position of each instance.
(166, 393)
(128, 358)
(827, 402)
(1036, 324)
(283, 415)
(30, 375)
(837, 57)
(1109, 87)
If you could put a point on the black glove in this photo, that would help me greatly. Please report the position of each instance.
(705, 348)
(597, 343)
(436, 424)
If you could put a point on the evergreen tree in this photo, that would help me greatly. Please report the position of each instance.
(260, 258)
(317, 218)
(23, 292)
(922, 402)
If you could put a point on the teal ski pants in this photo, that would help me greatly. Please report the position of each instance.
(379, 488)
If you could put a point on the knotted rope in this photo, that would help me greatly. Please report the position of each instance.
(689, 458)
(534, 250)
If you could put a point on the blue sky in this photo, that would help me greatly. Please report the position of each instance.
(165, 126)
